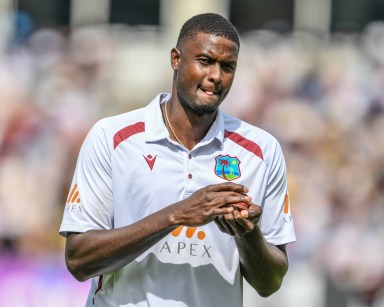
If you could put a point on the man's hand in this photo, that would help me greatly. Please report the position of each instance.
(239, 223)
(204, 205)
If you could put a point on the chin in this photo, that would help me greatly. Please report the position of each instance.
(198, 105)
(203, 109)
(207, 107)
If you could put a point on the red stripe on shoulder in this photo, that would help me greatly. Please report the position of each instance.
(127, 132)
(245, 143)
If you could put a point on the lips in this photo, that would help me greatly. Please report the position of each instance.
(210, 92)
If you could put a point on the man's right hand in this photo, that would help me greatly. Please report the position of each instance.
(204, 205)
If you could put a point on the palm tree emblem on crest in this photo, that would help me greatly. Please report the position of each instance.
(227, 167)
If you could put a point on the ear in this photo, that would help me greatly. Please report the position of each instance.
(175, 58)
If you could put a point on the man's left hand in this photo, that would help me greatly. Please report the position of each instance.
(239, 223)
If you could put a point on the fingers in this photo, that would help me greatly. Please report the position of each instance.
(217, 197)
(234, 194)
(238, 223)
(214, 200)
(233, 199)
(228, 186)
(224, 226)
(224, 210)
(234, 226)
(253, 214)
(244, 214)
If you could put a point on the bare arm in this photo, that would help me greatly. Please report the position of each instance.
(102, 251)
(98, 252)
(262, 264)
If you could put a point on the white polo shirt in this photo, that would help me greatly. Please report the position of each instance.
(128, 168)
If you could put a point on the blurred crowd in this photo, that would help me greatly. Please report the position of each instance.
(321, 97)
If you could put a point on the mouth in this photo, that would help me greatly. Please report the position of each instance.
(210, 92)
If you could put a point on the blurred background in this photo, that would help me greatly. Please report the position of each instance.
(310, 72)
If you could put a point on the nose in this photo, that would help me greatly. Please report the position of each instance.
(215, 73)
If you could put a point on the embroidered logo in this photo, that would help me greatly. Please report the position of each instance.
(227, 167)
(150, 160)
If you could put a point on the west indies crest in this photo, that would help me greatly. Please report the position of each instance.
(227, 167)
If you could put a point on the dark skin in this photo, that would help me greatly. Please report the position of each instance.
(204, 68)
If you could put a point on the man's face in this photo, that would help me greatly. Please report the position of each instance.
(205, 67)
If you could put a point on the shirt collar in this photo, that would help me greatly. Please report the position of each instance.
(156, 130)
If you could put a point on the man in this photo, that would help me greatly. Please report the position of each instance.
(172, 204)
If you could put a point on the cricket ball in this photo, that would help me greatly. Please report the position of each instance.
(241, 206)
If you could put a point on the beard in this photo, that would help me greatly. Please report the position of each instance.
(203, 109)
(198, 107)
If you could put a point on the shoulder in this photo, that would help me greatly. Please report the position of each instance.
(112, 125)
(109, 130)
(265, 140)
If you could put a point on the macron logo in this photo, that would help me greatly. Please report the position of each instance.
(150, 161)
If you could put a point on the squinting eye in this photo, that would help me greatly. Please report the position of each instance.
(228, 67)
(204, 61)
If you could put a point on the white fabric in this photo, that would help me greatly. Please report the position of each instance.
(117, 187)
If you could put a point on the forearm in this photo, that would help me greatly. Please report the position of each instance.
(102, 251)
(262, 264)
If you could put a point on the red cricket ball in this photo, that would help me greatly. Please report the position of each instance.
(241, 206)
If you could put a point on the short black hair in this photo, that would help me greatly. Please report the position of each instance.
(209, 23)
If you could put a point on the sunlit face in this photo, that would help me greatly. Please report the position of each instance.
(205, 67)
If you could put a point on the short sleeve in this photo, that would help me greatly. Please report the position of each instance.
(89, 204)
(276, 222)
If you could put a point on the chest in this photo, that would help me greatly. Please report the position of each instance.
(149, 176)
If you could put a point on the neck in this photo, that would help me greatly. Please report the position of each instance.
(185, 126)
